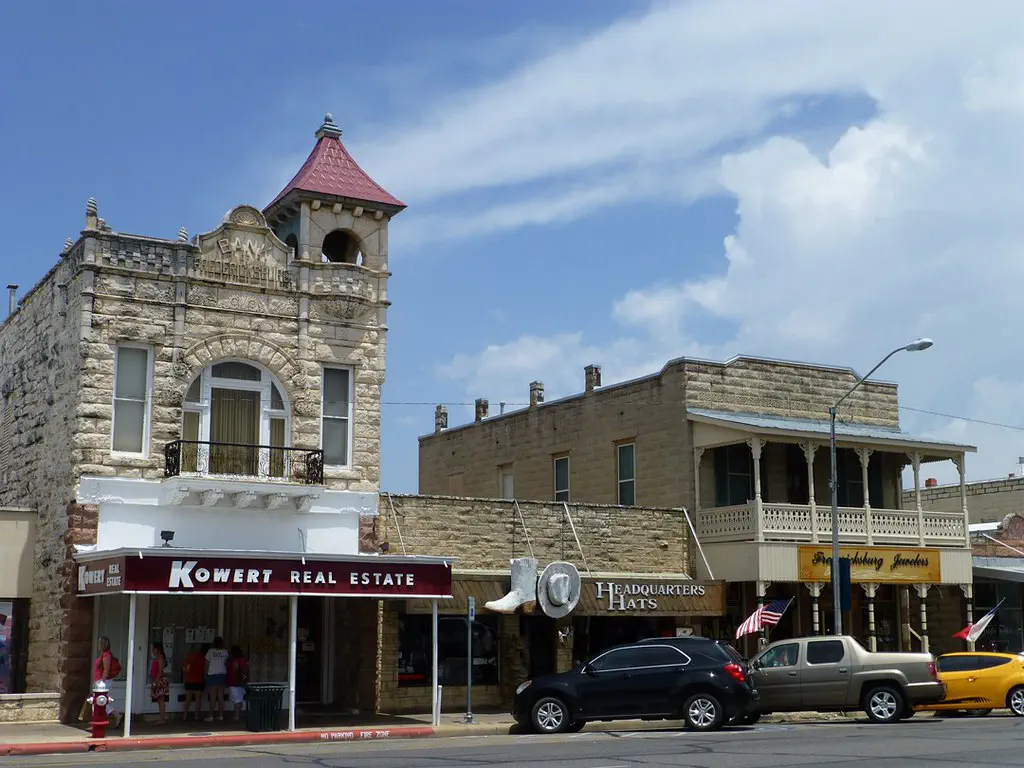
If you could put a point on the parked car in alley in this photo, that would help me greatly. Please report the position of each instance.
(837, 674)
(978, 682)
(694, 679)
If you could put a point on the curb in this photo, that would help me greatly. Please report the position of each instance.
(227, 740)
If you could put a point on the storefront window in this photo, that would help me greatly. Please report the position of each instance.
(13, 645)
(259, 626)
(182, 624)
(414, 655)
(112, 623)
(1006, 632)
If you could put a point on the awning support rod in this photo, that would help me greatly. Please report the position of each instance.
(397, 526)
(580, 546)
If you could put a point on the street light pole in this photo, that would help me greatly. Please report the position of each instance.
(837, 616)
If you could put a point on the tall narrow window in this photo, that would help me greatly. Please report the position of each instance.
(336, 434)
(506, 482)
(627, 475)
(131, 414)
(561, 470)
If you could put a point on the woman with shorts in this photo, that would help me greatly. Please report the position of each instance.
(195, 680)
(216, 677)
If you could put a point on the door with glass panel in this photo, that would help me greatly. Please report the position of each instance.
(235, 423)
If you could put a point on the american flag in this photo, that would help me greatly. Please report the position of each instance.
(765, 616)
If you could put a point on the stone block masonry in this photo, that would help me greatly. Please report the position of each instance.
(485, 533)
(989, 501)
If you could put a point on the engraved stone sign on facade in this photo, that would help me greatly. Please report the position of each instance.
(243, 251)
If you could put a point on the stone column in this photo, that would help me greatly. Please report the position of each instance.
(968, 590)
(815, 589)
(755, 450)
(864, 454)
(809, 451)
(870, 590)
(304, 222)
(922, 593)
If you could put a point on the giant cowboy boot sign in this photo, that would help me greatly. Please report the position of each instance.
(523, 595)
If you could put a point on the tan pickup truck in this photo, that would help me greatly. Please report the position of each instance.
(838, 674)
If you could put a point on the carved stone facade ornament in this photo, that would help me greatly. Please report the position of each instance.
(346, 307)
(202, 297)
(247, 216)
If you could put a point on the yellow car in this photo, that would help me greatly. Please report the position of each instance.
(980, 682)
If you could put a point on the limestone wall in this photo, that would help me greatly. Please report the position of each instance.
(650, 412)
(479, 533)
(793, 390)
(41, 366)
(588, 428)
(988, 502)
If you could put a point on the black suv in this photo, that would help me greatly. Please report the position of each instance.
(695, 679)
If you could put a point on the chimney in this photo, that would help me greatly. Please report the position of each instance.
(440, 419)
(592, 376)
(91, 214)
(12, 302)
(482, 407)
(536, 393)
(931, 482)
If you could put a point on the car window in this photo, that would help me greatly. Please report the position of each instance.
(730, 652)
(825, 651)
(780, 656)
(663, 655)
(622, 658)
(956, 663)
(988, 662)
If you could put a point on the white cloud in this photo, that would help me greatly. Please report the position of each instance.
(909, 225)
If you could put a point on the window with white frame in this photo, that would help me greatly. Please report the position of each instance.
(132, 371)
(626, 461)
(235, 421)
(336, 426)
(560, 466)
(506, 482)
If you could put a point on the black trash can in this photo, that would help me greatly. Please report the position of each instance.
(263, 712)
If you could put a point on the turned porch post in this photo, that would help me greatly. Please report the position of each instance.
(865, 458)
(809, 450)
(915, 459)
(755, 450)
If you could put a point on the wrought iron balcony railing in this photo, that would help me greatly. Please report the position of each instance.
(249, 462)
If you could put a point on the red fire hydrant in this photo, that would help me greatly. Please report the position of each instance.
(100, 699)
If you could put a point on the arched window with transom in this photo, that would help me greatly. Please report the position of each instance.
(236, 421)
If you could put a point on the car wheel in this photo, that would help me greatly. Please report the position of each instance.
(550, 715)
(883, 704)
(703, 712)
(576, 726)
(1015, 700)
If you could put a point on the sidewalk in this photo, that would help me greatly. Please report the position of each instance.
(54, 738)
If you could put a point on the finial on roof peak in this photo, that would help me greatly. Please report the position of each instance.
(183, 235)
(329, 128)
(68, 243)
(90, 207)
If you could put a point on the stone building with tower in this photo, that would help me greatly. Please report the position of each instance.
(743, 446)
(189, 423)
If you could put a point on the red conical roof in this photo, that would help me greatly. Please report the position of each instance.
(330, 170)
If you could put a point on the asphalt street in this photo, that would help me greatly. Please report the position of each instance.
(991, 741)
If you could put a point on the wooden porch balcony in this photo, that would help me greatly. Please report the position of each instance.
(761, 521)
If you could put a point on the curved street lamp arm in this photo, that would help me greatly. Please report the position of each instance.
(865, 377)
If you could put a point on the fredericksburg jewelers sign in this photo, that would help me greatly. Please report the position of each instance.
(873, 564)
(196, 574)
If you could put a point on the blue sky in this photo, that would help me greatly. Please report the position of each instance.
(610, 182)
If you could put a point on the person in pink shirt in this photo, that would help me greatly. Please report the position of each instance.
(159, 685)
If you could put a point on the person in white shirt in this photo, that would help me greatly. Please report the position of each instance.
(216, 677)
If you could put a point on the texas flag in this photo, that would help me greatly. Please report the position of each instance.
(973, 631)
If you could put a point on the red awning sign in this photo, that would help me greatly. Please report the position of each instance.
(162, 574)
